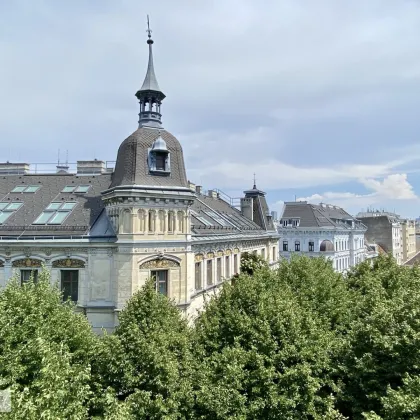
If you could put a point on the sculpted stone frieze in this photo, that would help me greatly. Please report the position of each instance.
(160, 263)
(68, 263)
(27, 262)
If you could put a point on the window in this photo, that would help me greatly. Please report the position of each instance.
(297, 245)
(171, 221)
(55, 214)
(160, 161)
(219, 269)
(81, 189)
(274, 253)
(151, 221)
(209, 272)
(198, 284)
(26, 189)
(70, 284)
(311, 246)
(68, 189)
(284, 223)
(227, 267)
(201, 219)
(219, 219)
(263, 253)
(235, 263)
(7, 209)
(285, 246)
(25, 276)
(161, 281)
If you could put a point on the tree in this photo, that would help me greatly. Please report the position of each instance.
(383, 341)
(148, 361)
(251, 263)
(263, 353)
(45, 352)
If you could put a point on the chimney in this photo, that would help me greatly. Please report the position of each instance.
(246, 208)
(14, 168)
(213, 194)
(62, 169)
(191, 186)
(90, 167)
(198, 189)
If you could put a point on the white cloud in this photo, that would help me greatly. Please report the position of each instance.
(393, 186)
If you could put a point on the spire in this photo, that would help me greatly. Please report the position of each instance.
(150, 96)
(255, 183)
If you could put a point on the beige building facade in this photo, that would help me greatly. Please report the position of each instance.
(408, 239)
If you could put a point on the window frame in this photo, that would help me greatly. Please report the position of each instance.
(297, 246)
(53, 209)
(68, 272)
(311, 246)
(155, 274)
(285, 246)
(23, 189)
(35, 272)
(198, 278)
(209, 270)
(8, 209)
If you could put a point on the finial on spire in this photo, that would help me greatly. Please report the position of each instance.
(255, 182)
(148, 30)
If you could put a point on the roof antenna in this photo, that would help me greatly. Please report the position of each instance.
(67, 157)
(255, 182)
(58, 158)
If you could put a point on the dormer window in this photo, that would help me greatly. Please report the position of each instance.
(159, 157)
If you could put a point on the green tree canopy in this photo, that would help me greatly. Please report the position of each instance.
(45, 352)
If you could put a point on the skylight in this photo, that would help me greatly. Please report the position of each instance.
(201, 219)
(218, 218)
(55, 213)
(7, 209)
(26, 189)
(80, 189)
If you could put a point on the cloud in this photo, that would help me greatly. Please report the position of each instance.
(387, 192)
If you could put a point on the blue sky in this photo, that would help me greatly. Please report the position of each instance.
(319, 99)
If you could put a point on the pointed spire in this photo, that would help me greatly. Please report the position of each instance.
(150, 96)
(255, 183)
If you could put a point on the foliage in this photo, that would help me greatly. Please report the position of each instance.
(250, 263)
(148, 361)
(264, 354)
(383, 340)
(45, 352)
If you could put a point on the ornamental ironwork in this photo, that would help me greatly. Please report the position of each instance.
(160, 263)
(27, 262)
(68, 263)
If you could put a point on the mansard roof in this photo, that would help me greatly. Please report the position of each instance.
(132, 165)
(322, 215)
(84, 219)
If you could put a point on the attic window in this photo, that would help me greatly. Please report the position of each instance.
(81, 189)
(7, 209)
(55, 214)
(159, 158)
(26, 189)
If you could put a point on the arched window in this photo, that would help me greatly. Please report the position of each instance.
(171, 222)
(181, 221)
(159, 157)
(141, 220)
(151, 221)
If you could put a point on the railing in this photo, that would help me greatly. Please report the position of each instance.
(232, 201)
(50, 168)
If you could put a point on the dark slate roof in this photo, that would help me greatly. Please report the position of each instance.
(79, 222)
(224, 219)
(132, 168)
(261, 212)
(322, 215)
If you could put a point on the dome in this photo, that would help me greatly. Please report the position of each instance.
(159, 145)
(132, 167)
(326, 246)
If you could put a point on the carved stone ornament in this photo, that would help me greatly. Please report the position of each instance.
(199, 257)
(68, 263)
(27, 262)
(210, 255)
(160, 263)
(220, 253)
(1, 263)
(236, 250)
(228, 252)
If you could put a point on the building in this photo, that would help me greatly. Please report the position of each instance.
(409, 246)
(274, 216)
(384, 229)
(321, 230)
(102, 233)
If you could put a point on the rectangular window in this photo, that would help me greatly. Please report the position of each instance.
(161, 281)
(235, 263)
(68, 189)
(55, 213)
(171, 222)
(311, 246)
(198, 284)
(274, 253)
(25, 276)
(297, 246)
(70, 284)
(263, 253)
(81, 189)
(227, 267)
(285, 246)
(7, 209)
(26, 189)
(209, 272)
(160, 161)
(219, 269)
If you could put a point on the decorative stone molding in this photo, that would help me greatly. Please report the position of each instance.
(27, 262)
(199, 257)
(68, 263)
(228, 252)
(1, 263)
(236, 250)
(160, 263)
(210, 255)
(220, 253)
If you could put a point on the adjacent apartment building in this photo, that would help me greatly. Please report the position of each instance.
(386, 230)
(322, 230)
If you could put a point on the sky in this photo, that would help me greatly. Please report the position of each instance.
(320, 99)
